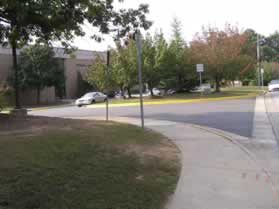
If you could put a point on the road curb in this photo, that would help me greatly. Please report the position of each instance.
(178, 101)
(252, 156)
(269, 116)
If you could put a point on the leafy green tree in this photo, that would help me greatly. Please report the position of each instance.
(39, 69)
(97, 76)
(118, 70)
(179, 71)
(160, 63)
(271, 71)
(240, 68)
(123, 69)
(218, 49)
(151, 77)
(271, 48)
(176, 55)
(56, 20)
(128, 65)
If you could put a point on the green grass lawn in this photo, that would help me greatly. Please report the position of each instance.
(65, 164)
(225, 92)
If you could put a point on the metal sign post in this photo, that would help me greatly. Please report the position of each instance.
(262, 77)
(107, 83)
(139, 54)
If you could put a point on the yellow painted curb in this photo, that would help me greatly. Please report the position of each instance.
(175, 101)
(48, 107)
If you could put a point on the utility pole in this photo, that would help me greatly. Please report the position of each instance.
(107, 84)
(139, 56)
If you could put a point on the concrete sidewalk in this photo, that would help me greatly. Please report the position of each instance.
(272, 109)
(217, 171)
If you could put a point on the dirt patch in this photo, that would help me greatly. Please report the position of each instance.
(11, 124)
(165, 150)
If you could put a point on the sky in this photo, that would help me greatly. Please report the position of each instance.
(262, 16)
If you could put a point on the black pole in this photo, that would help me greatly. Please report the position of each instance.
(107, 81)
(17, 103)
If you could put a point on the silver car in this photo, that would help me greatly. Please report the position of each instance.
(91, 98)
(273, 85)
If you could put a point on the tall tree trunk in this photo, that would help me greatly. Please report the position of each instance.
(38, 95)
(151, 92)
(150, 89)
(15, 66)
(179, 84)
(129, 92)
(217, 83)
(122, 89)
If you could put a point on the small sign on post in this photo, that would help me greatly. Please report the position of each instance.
(200, 70)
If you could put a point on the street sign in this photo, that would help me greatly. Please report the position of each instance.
(200, 68)
(262, 71)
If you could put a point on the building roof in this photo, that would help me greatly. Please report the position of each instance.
(60, 53)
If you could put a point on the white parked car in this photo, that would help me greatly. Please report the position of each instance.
(273, 85)
(156, 92)
(91, 98)
(171, 91)
(205, 87)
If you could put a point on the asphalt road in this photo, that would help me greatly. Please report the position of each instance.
(234, 116)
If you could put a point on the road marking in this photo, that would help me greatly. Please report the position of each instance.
(174, 101)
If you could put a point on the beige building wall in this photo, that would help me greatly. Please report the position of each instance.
(29, 97)
(72, 67)
(78, 63)
(5, 68)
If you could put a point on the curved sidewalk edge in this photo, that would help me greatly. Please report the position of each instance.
(272, 110)
(217, 171)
